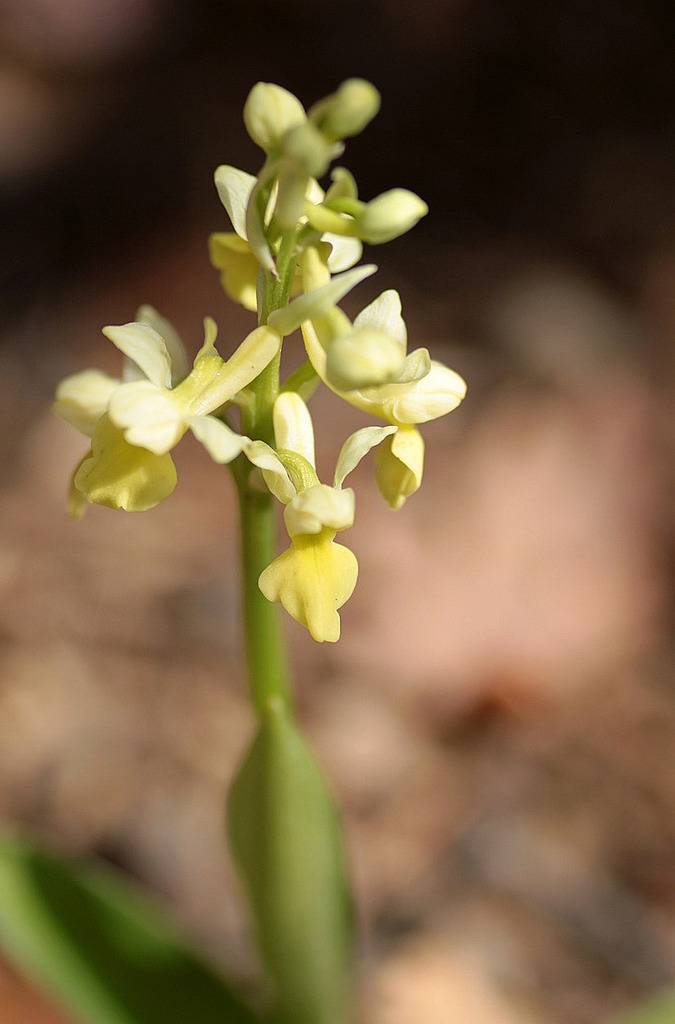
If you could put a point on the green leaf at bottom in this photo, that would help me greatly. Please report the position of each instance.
(285, 838)
(106, 955)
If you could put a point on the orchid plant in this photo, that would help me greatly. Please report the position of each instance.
(291, 257)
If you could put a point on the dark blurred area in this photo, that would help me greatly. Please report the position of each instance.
(499, 717)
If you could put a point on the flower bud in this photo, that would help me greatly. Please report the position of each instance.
(269, 112)
(390, 215)
(347, 111)
(363, 358)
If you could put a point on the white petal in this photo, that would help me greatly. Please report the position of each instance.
(436, 394)
(318, 507)
(415, 366)
(180, 365)
(344, 253)
(273, 470)
(356, 446)
(384, 314)
(82, 399)
(293, 430)
(146, 348)
(255, 221)
(148, 416)
(234, 188)
(319, 301)
(222, 444)
(315, 194)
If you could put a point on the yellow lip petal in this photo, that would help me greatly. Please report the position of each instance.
(238, 266)
(312, 579)
(121, 476)
(399, 465)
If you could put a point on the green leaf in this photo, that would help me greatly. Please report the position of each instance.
(659, 1010)
(285, 837)
(106, 955)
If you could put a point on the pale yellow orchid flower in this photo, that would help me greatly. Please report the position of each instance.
(134, 423)
(423, 389)
(230, 252)
(315, 576)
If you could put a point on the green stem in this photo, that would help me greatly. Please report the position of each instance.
(265, 651)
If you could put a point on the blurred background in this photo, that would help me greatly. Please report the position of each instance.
(499, 718)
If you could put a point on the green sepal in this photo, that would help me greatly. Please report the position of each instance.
(286, 841)
(100, 948)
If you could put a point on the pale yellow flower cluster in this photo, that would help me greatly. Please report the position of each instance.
(134, 422)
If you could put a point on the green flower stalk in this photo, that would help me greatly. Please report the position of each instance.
(291, 256)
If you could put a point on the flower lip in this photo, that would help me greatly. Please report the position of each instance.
(312, 579)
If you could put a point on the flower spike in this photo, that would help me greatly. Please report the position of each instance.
(290, 252)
